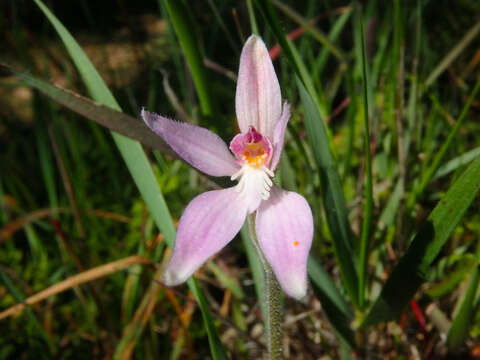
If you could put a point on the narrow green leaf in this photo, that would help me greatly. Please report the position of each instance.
(461, 324)
(47, 166)
(138, 165)
(457, 162)
(452, 278)
(411, 271)
(101, 114)
(216, 347)
(336, 212)
(414, 81)
(226, 280)
(367, 216)
(131, 151)
(185, 30)
(387, 216)
(335, 30)
(255, 266)
(333, 303)
(287, 174)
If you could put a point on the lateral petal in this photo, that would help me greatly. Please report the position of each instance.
(198, 146)
(284, 226)
(208, 223)
(258, 101)
(279, 136)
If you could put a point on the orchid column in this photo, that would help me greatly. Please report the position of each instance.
(281, 221)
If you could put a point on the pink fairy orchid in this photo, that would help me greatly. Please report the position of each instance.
(284, 223)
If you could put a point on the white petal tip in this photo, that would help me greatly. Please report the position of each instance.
(147, 118)
(173, 278)
(253, 38)
(296, 290)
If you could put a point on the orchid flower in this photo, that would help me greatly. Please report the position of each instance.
(283, 223)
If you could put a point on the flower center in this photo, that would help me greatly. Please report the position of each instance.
(253, 151)
(254, 154)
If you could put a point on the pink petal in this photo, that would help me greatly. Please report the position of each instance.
(279, 135)
(198, 146)
(208, 223)
(284, 226)
(258, 99)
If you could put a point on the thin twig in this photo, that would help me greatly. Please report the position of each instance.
(453, 54)
(237, 24)
(15, 225)
(173, 98)
(220, 69)
(9, 229)
(308, 25)
(84, 277)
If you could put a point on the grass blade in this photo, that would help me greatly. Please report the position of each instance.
(461, 324)
(184, 27)
(367, 216)
(101, 114)
(333, 303)
(411, 271)
(334, 202)
(335, 31)
(453, 54)
(452, 279)
(216, 347)
(137, 164)
(226, 280)
(131, 151)
(255, 266)
(457, 162)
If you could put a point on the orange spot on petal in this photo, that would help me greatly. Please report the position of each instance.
(295, 243)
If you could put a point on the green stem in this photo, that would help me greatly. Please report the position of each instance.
(272, 300)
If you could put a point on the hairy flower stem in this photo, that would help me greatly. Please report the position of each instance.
(272, 300)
